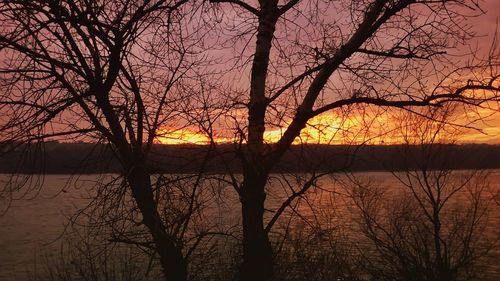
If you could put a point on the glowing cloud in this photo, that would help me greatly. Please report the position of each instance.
(368, 128)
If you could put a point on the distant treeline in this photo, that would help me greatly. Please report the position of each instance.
(87, 158)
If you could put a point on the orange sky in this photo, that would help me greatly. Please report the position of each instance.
(330, 128)
(382, 128)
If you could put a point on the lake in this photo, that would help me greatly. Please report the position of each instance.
(35, 219)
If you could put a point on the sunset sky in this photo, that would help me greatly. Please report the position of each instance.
(379, 128)
(374, 126)
(330, 129)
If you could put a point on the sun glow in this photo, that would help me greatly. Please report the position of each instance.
(182, 136)
(324, 129)
(363, 128)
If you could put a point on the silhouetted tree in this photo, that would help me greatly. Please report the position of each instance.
(102, 71)
(434, 224)
(306, 58)
(110, 70)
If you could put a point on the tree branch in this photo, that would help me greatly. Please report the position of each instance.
(240, 3)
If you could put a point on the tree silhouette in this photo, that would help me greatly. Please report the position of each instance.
(101, 71)
(307, 58)
(123, 71)
(433, 225)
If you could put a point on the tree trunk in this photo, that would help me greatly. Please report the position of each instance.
(442, 268)
(257, 252)
(171, 258)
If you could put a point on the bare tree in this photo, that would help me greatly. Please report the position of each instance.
(106, 70)
(432, 225)
(101, 71)
(310, 57)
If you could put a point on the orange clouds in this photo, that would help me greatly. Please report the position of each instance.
(386, 127)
